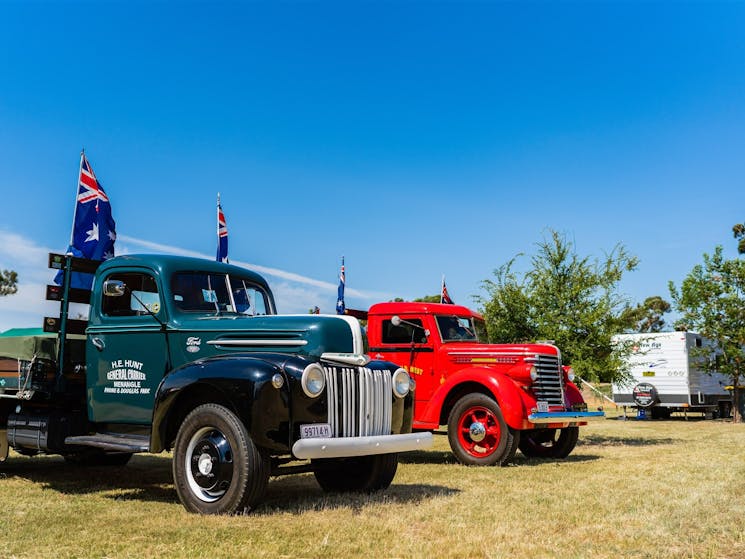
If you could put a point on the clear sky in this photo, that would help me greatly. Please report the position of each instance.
(414, 138)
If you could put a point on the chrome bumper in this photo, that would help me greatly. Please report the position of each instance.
(564, 416)
(344, 447)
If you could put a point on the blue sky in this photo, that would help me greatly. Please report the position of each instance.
(415, 138)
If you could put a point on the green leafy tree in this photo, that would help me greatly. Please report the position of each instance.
(647, 316)
(428, 299)
(8, 282)
(566, 298)
(739, 232)
(711, 301)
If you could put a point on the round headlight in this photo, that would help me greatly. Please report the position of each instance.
(313, 380)
(570, 374)
(401, 383)
(533, 373)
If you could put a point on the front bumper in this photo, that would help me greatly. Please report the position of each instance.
(564, 416)
(344, 447)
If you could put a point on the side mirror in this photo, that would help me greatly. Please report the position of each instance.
(396, 320)
(114, 288)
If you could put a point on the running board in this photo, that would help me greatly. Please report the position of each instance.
(112, 442)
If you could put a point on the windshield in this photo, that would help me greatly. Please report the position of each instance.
(218, 293)
(457, 328)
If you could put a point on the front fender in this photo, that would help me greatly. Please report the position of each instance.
(501, 387)
(241, 383)
(572, 394)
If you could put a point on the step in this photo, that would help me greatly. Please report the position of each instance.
(113, 442)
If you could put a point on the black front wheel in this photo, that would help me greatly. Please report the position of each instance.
(217, 469)
(363, 474)
(549, 443)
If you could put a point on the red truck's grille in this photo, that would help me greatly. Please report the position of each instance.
(549, 386)
(360, 401)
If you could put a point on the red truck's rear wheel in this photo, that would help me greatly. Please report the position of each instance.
(477, 431)
(549, 443)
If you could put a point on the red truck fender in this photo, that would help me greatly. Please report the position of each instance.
(572, 395)
(500, 387)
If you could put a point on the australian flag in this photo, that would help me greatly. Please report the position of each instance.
(222, 234)
(444, 295)
(340, 308)
(93, 227)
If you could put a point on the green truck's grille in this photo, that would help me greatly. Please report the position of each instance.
(360, 401)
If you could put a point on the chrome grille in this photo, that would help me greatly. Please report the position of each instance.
(550, 383)
(359, 400)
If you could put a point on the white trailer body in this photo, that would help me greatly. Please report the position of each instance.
(666, 375)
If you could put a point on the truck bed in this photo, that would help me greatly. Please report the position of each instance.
(15, 351)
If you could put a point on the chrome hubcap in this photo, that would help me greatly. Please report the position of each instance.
(477, 431)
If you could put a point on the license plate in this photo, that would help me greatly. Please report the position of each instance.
(315, 430)
(542, 406)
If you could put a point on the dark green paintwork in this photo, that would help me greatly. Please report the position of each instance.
(139, 351)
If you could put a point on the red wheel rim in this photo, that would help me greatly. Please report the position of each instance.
(492, 434)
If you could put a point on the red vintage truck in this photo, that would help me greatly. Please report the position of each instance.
(494, 398)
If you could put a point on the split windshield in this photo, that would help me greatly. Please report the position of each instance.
(218, 293)
(461, 329)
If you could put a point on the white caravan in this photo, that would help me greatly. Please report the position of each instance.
(666, 377)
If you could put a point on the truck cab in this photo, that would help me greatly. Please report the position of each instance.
(494, 398)
(189, 355)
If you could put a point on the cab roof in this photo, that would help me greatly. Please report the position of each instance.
(166, 265)
(421, 308)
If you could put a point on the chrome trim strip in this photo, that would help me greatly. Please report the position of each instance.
(257, 342)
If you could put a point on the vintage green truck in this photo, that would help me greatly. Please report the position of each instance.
(187, 354)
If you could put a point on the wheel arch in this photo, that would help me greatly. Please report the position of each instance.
(497, 386)
(237, 383)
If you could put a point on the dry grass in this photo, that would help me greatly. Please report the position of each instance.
(631, 489)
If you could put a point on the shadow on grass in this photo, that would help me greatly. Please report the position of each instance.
(149, 478)
(604, 440)
(427, 457)
(146, 478)
(447, 458)
(302, 494)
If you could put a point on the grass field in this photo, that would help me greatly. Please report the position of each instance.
(631, 489)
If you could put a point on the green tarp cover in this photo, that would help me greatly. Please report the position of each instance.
(25, 347)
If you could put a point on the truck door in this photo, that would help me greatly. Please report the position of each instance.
(126, 350)
(409, 345)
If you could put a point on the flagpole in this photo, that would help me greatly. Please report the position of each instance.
(77, 192)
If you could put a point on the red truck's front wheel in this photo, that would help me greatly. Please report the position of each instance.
(477, 431)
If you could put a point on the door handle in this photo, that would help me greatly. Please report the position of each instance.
(98, 343)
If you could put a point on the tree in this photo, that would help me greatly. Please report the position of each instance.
(711, 301)
(428, 299)
(568, 299)
(8, 282)
(647, 316)
(739, 232)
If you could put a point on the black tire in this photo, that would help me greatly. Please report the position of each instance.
(512, 446)
(217, 469)
(477, 432)
(549, 443)
(363, 474)
(94, 457)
